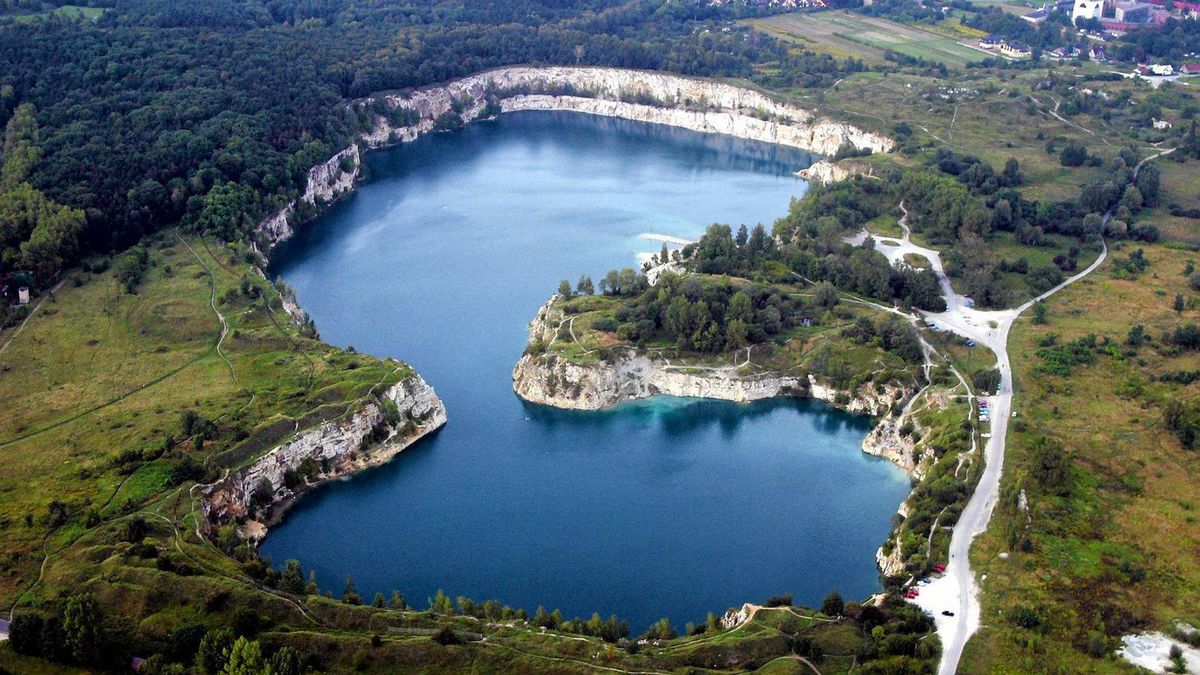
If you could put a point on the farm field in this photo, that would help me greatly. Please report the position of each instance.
(849, 35)
(1010, 7)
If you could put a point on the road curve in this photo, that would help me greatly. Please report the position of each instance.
(957, 590)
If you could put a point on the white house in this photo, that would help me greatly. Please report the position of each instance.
(1087, 9)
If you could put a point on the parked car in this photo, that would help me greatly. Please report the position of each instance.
(946, 612)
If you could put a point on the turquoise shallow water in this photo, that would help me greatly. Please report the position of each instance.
(667, 507)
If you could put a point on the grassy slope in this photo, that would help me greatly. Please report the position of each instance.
(794, 350)
(1132, 484)
(98, 372)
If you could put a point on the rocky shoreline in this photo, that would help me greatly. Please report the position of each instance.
(544, 377)
(659, 98)
(707, 106)
(327, 452)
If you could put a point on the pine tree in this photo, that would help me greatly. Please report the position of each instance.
(292, 579)
(82, 628)
(245, 658)
(350, 594)
(398, 601)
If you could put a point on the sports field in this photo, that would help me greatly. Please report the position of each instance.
(844, 34)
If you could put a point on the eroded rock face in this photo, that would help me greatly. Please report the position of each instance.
(660, 98)
(890, 565)
(550, 379)
(826, 172)
(337, 447)
(886, 441)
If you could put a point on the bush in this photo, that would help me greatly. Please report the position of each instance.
(445, 636)
(606, 324)
(784, 600)
(833, 604)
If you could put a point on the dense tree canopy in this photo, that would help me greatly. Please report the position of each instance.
(212, 112)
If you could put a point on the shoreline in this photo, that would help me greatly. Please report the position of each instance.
(704, 106)
(552, 380)
(731, 111)
(334, 450)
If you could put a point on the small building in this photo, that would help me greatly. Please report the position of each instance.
(1132, 12)
(23, 295)
(1188, 10)
(1161, 124)
(1016, 50)
(1190, 69)
(1087, 9)
(1037, 16)
(991, 42)
(1098, 54)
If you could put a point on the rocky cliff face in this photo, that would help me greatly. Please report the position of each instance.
(826, 172)
(886, 441)
(823, 137)
(326, 182)
(337, 448)
(660, 98)
(550, 379)
(890, 565)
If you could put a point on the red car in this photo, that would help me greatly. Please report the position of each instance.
(939, 568)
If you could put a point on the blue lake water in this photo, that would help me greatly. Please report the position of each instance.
(668, 507)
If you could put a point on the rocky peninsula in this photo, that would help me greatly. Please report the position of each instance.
(380, 429)
(549, 378)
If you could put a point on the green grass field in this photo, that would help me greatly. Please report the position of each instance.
(851, 35)
(1099, 562)
(95, 384)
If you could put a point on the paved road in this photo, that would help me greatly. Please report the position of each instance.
(956, 590)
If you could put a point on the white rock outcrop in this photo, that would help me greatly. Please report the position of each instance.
(890, 564)
(337, 447)
(824, 171)
(885, 440)
(659, 98)
(550, 379)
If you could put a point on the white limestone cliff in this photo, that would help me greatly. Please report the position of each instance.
(890, 564)
(338, 447)
(825, 172)
(550, 379)
(659, 98)
(545, 377)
